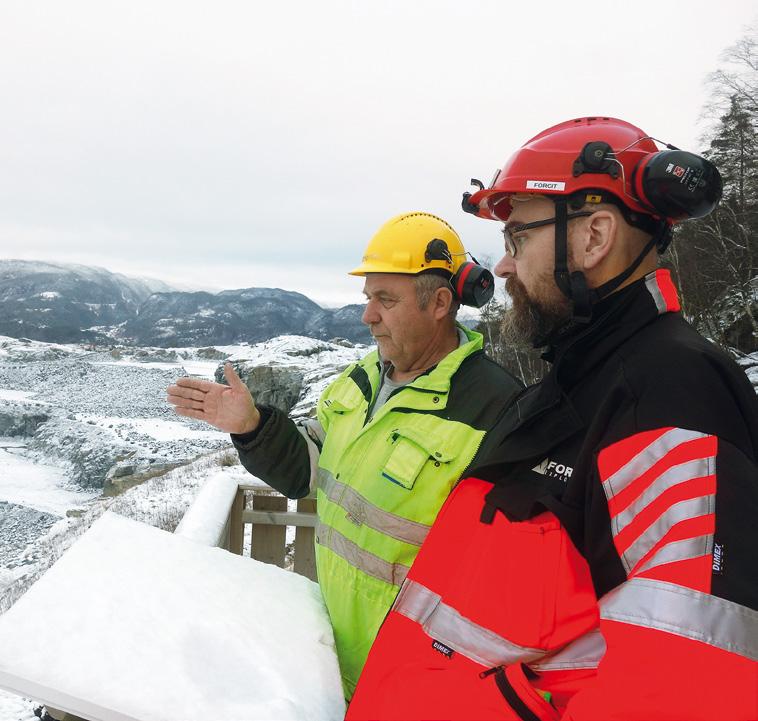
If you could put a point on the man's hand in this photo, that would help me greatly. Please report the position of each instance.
(229, 408)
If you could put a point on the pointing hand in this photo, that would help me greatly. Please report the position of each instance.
(229, 408)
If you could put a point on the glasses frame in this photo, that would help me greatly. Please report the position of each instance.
(511, 246)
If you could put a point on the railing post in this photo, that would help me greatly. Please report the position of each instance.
(236, 527)
(305, 549)
(268, 542)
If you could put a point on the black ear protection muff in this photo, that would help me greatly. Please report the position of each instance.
(673, 184)
(677, 184)
(472, 283)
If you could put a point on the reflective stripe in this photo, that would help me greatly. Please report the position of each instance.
(678, 512)
(679, 551)
(673, 476)
(647, 458)
(313, 455)
(681, 611)
(443, 623)
(652, 285)
(368, 563)
(585, 652)
(362, 512)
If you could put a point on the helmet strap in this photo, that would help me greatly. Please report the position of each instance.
(561, 272)
(574, 285)
(611, 285)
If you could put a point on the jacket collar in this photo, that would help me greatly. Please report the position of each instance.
(437, 378)
(614, 320)
(545, 410)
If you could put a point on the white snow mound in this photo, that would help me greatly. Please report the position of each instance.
(137, 623)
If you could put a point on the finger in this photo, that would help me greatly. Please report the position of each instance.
(177, 392)
(186, 403)
(192, 413)
(232, 378)
(196, 383)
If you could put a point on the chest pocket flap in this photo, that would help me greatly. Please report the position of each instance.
(411, 450)
(344, 397)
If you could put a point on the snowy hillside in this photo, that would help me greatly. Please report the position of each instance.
(77, 425)
(62, 303)
(85, 431)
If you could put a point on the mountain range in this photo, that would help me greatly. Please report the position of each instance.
(65, 303)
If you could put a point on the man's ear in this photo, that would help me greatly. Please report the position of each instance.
(441, 302)
(598, 238)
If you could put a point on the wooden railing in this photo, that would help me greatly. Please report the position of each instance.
(221, 511)
(266, 510)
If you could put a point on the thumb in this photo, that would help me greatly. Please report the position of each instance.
(232, 378)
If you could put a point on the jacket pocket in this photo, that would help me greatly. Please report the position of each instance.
(516, 684)
(344, 397)
(411, 451)
(506, 576)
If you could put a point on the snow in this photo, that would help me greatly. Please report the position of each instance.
(137, 623)
(157, 428)
(37, 485)
(206, 518)
(16, 708)
(9, 395)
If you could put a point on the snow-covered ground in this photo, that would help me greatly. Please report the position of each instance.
(160, 501)
(172, 635)
(66, 404)
(81, 417)
(36, 485)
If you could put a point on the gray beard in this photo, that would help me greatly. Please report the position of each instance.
(529, 324)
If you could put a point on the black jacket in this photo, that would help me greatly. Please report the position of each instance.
(637, 369)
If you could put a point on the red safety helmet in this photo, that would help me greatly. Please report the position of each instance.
(599, 159)
(609, 156)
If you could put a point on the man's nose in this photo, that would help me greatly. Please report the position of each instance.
(370, 315)
(505, 266)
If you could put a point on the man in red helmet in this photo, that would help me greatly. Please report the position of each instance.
(599, 564)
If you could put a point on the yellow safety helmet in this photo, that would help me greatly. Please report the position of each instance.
(414, 243)
(405, 244)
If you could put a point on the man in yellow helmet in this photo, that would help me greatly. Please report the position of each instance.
(394, 432)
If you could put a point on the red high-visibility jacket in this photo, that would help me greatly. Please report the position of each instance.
(604, 564)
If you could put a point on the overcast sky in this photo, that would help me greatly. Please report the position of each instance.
(234, 144)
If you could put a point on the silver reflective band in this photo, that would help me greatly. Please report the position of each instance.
(651, 281)
(446, 625)
(392, 573)
(646, 459)
(698, 468)
(584, 652)
(364, 513)
(682, 511)
(681, 611)
(683, 550)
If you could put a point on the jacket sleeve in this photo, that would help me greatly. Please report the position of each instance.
(682, 630)
(282, 453)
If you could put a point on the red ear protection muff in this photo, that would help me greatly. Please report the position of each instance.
(472, 283)
(677, 185)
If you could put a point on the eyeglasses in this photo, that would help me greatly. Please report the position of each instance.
(511, 234)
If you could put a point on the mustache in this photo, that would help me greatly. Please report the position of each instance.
(515, 289)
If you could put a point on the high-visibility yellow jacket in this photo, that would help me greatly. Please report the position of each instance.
(380, 480)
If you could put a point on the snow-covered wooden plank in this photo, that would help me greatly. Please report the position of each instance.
(134, 623)
(206, 520)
